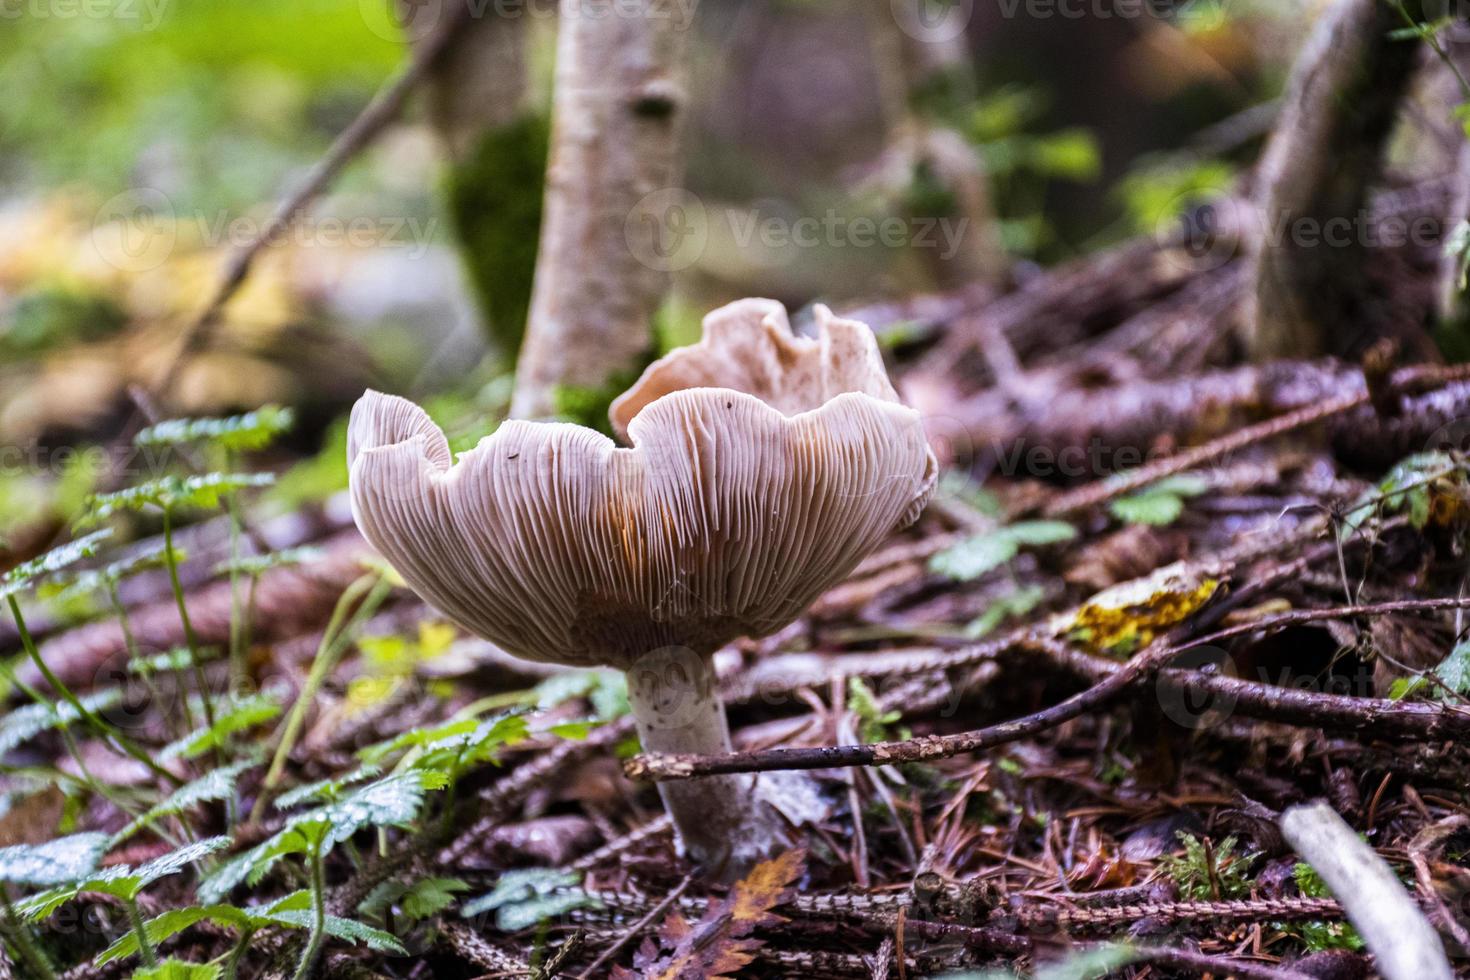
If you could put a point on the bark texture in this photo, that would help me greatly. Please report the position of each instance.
(1313, 191)
(494, 137)
(602, 267)
(1403, 942)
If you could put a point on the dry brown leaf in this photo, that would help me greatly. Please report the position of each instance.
(719, 945)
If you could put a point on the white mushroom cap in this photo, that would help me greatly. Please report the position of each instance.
(748, 346)
(727, 517)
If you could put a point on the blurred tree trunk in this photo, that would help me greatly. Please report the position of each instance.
(927, 168)
(1454, 298)
(612, 206)
(1313, 185)
(495, 138)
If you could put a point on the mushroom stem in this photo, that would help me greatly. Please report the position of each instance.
(722, 823)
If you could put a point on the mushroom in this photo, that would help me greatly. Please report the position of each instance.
(763, 467)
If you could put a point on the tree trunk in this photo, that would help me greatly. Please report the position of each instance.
(612, 207)
(495, 139)
(1311, 294)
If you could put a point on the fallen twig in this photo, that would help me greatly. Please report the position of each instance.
(1101, 491)
(1402, 941)
(374, 118)
(1443, 720)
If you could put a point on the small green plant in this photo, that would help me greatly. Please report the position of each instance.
(1413, 488)
(169, 496)
(1206, 871)
(1015, 603)
(984, 552)
(125, 884)
(1320, 936)
(528, 897)
(1451, 679)
(1159, 503)
(873, 723)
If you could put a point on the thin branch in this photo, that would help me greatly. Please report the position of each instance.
(360, 133)
(1442, 720)
(637, 928)
(1101, 491)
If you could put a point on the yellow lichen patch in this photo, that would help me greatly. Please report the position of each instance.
(1125, 617)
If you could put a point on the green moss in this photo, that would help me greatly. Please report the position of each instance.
(51, 318)
(588, 406)
(498, 222)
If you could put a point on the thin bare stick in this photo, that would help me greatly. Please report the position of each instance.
(374, 118)
(632, 933)
(1403, 942)
(1217, 966)
(1101, 491)
(1445, 720)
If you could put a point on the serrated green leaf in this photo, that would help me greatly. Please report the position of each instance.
(455, 745)
(984, 552)
(533, 912)
(237, 433)
(1180, 485)
(1033, 533)
(26, 722)
(54, 862)
(1154, 509)
(1018, 603)
(171, 923)
(172, 969)
(251, 565)
(576, 731)
(1451, 675)
(430, 896)
(528, 896)
(99, 579)
(1405, 489)
(349, 929)
(44, 566)
(973, 557)
(218, 784)
(173, 493)
(122, 881)
(392, 801)
(325, 790)
(168, 662)
(248, 712)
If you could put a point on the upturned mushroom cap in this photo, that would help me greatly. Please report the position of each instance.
(727, 517)
(748, 346)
